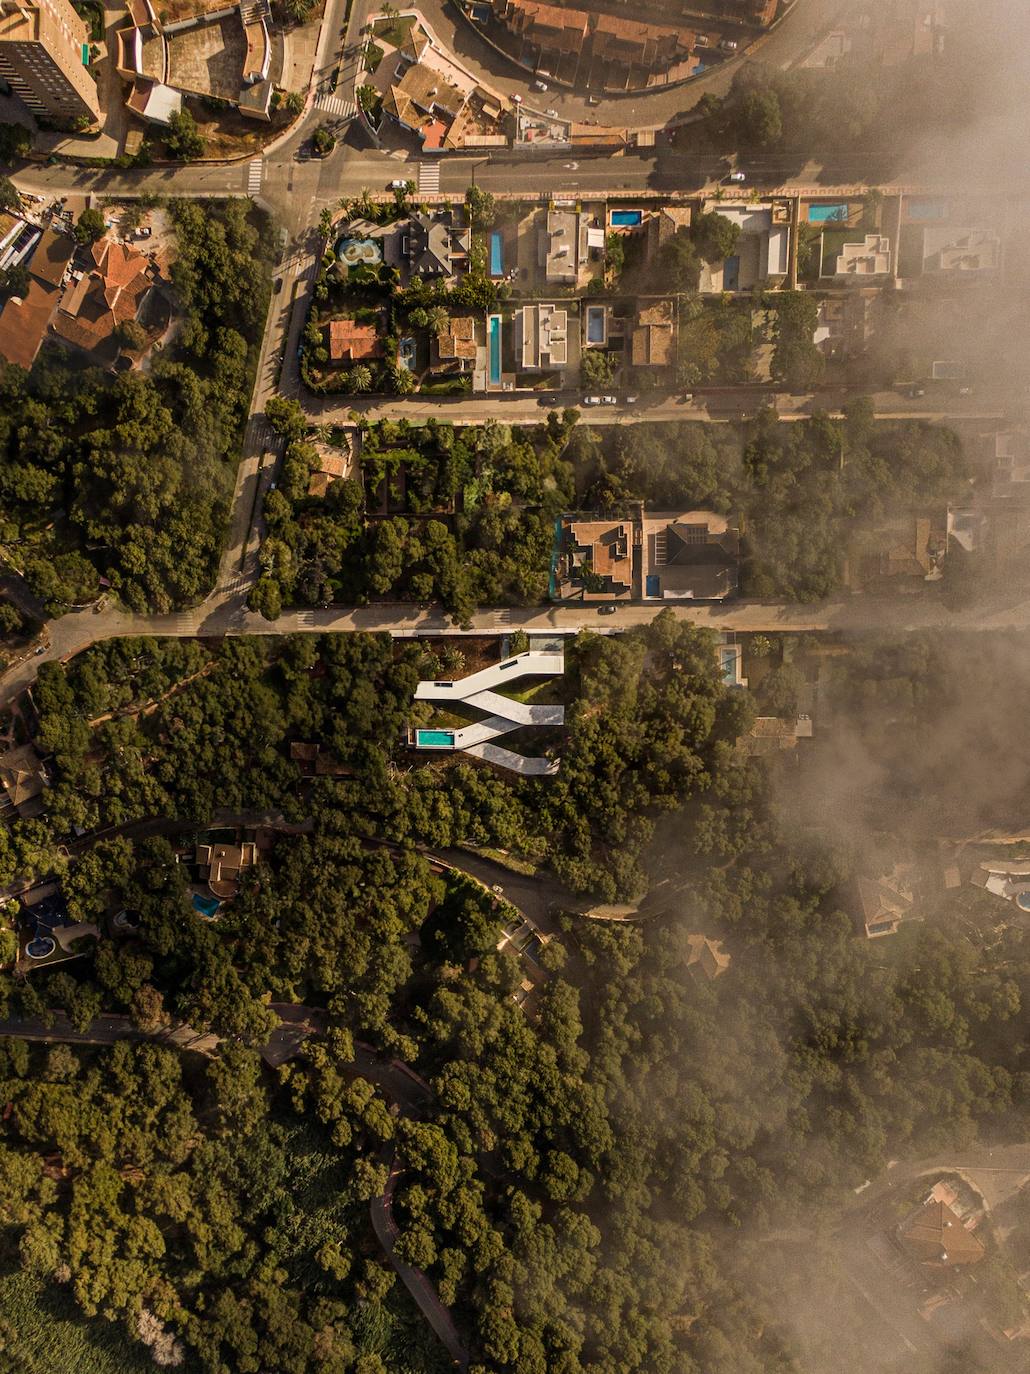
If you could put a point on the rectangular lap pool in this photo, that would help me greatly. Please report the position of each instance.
(496, 254)
(434, 739)
(827, 214)
(624, 217)
(597, 331)
(494, 333)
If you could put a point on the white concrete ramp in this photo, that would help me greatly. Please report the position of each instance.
(503, 715)
(525, 713)
(528, 664)
(517, 763)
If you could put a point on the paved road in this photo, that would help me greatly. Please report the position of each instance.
(217, 618)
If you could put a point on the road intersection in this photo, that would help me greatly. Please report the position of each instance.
(295, 191)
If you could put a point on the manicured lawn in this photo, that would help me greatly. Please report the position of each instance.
(550, 692)
(394, 31)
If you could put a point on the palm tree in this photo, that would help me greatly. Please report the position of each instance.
(437, 319)
(324, 433)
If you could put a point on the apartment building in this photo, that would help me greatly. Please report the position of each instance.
(44, 52)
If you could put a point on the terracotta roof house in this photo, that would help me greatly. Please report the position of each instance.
(331, 468)
(597, 558)
(653, 341)
(222, 864)
(455, 348)
(418, 97)
(886, 902)
(936, 1237)
(625, 53)
(579, 45)
(906, 552)
(24, 320)
(693, 556)
(351, 342)
(706, 958)
(96, 302)
(23, 778)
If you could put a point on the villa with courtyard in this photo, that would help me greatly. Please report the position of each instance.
(204, 48)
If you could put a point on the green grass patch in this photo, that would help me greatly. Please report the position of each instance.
(394, 31)
(550, 692)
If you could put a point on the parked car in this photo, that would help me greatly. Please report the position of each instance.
(607, 610)
(728, 45)
(278, 285)
(738, 176)
(540, 85)
(547, 401)
(593, 100)
(398, 184)
(516, 100)
(592, 401)
(609, 400)
(632, 400)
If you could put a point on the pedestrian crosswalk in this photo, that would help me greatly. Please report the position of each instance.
(337, 105)
(254, 174)
(259, 435)
(429, 178)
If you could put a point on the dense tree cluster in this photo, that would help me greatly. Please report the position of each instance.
(128, 479)
(467, 518)
(589, 1188)
(800, 489)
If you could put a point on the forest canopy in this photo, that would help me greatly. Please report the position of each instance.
(127, 479)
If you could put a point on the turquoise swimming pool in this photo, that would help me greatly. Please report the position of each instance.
(496, 254)
(434, 739)
(624, 217)
(827, 214)
(207, 906)
(494, 332)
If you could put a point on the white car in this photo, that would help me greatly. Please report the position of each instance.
(540, 85)
(398, 184)
(738, 176)
(609, 400)
(593, 401)
(728, 45)
(516, 100)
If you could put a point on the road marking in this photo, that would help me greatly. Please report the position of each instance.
(254, 175)
(429, 177)
(337, 105)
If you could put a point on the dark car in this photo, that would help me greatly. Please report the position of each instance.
(278, 285)
(607, 610)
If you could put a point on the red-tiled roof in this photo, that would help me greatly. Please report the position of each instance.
(350, 342)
